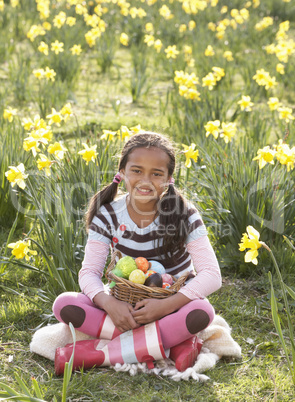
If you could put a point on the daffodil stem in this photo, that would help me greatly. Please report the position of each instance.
(290, 325)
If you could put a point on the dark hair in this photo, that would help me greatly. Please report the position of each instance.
(171, 206)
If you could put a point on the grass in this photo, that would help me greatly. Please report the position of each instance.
(260, 375)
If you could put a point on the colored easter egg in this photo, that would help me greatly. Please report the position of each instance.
(142, 264)
(155, 280)
(165, 285)
(158, 267)
(126, 265)
(167, 278)
(137, 276)
(149, 273)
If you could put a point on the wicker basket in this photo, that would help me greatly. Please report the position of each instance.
(130, 292)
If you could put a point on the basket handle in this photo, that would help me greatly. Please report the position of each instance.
(112, 264)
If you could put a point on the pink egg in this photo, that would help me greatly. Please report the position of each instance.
(167, 278)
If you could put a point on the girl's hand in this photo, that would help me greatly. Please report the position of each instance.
(149, 310)
(121, 314)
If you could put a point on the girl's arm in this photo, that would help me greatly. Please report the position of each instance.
(90, 275)
(208, 278)
(96, 253)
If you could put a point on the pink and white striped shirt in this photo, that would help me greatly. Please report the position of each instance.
(113, 226)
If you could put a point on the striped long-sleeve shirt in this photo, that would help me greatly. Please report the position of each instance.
(113, 226)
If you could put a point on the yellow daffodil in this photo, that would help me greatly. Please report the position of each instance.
(9, 113)
(124, 133)
(46, 25)
(149, 27)
(218, 72)
(124, 39)
(16, 175)
(228, 131)
(285, 155)
(57, 149)
(209, 81)
(190, 154)
(264, 156)
(108, 135)
(149, 40)
(165, 12)
(228, 55)
(57, 47)
(43, 135)
(245, 103)
(171, 52)
(158, 45)
(43, 48)
(250, 240)
(71, 21)
(89, 153)
(66, 111)
(49, 74)
(263, 78)
(285, 113)
(31, 144)
(182, 28)
(209, 51)
(39, 73)
(60, 19)
(20, 249)
(35, 31)
(76, 50)
(191, 25)
(212, 127)
(136, 129)
(44, 163)
(55, 117)
(280, 68)
(27, 123)
(273, 103)
(212, 26)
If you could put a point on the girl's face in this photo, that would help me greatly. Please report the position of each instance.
(146, 174)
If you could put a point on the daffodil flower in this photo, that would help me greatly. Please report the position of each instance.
(89, 153)
(20, 249)
(264, 156)
(245, 103)
(9, 113)
(124, 133)
(55, 117)
(57, 149)
(285, 155)
(190, 154)
(250, 240)
(212, 127)
(228, 131)
(17, 175)
(44, 163)
(108, 135)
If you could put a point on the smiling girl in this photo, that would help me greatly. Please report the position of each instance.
(152, 220)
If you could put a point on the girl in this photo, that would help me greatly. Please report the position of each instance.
(154, 221)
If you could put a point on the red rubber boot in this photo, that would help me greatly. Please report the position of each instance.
(85, 356)
(184, 355)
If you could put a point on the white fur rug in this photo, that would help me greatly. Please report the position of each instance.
(217, 339)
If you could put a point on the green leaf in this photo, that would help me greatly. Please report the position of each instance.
(290, 291)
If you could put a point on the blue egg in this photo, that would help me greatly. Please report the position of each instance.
(157, 267)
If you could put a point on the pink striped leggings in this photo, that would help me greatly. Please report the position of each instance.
(174, 328)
